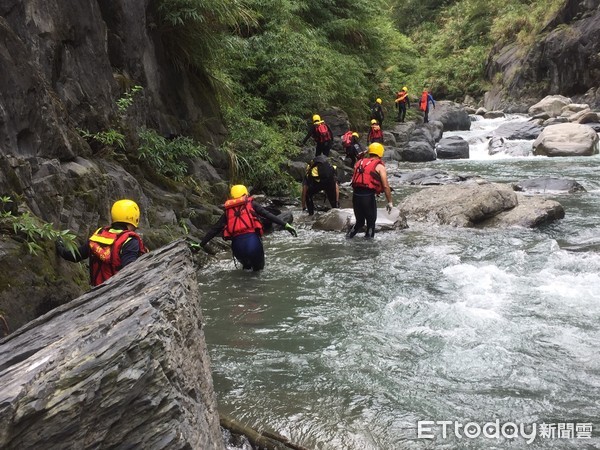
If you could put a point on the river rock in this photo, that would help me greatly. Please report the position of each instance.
(123, 366)
(527, 130)
(568, 139)
(551, 105)
(452, 147)
(585, 117)
(545, 185)
(451, 114)
(493, 114)
(459, 205)
(343, 219)
(574, 108)
(530, 212)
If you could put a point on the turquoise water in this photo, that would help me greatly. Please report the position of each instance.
(349, 344)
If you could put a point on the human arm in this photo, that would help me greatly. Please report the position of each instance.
(215, 230)
(261, 211)
(386, 186)
(130, 251)
(309, 133)
(432, 100)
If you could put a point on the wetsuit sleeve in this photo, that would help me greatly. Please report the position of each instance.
(84, 251)
(130, 251)
(432, 100)
(215, 230)
(308, 134)
(267, 215)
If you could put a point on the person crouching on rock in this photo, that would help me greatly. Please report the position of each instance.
(320, 176)
(240, 224)
(369, 179)
(112, 247)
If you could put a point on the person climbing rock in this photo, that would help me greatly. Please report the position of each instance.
(377, 111)
(240, 224)
(424, 102)
(321, 134)
(375, 133)
(352, 146)
(402, 102)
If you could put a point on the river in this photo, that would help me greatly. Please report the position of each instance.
(354, 344)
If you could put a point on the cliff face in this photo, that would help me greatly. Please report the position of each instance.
(564, 60)
(63, 65)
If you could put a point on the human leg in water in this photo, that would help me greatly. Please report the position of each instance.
(248, 250)
(371, 217)
(360, 204)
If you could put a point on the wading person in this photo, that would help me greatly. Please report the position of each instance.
(424, 102)
(112, 247)
(240, 224)
(368, 180)
(352, 147)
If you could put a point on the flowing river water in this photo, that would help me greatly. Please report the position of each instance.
(354, 344)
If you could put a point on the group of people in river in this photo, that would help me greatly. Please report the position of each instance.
(113, 247)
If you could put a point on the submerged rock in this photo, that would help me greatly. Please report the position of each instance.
(548, 184)
(343, 219)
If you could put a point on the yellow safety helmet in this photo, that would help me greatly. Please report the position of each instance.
(125, 211)
(405, 89)
(316, 118)
(378, 101)
(376, 149)
(373, 121)
(237, 191)
(355, 134)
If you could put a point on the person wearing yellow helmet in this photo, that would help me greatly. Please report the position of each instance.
(375, 133)
(321, 134)
(402, 102)
(112, 247)
(377, 112)
(369, 178)
(241, 225)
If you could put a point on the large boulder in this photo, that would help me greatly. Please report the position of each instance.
(498, 145)
(527, 130)
(123, 366)
(451, 114)
(452, 147)
(566, 139)
(552, 105)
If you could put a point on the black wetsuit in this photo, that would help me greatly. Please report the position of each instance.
(365, 210)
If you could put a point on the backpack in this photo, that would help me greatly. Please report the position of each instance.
(325, 171)
(347, 139)
(323, 134)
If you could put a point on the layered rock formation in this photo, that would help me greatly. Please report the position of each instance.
(123, 366)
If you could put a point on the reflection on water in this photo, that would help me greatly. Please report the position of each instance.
(348, 344)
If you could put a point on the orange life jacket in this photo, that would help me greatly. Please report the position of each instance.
(401, 97)
(241, 218)
(365, 175)
(105, 252)
(424, 101)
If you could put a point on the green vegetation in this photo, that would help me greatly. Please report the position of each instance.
(108, 138)
(29, 228)
(168, 157)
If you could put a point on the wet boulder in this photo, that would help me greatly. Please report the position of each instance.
(513, 148)
(493, 114)
(125, 365)
(567, 139)
(452, 147)
(546, 185)
(427, 177)
(530, 212)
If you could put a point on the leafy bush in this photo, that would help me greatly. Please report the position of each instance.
(108, 138)
(28, 227)
(168, 157)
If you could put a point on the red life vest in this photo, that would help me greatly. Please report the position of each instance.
(424, 101)
(105, 252)
(241, 218)
(347, 139)
(375, 132)
(365, 175)
(322, 133)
